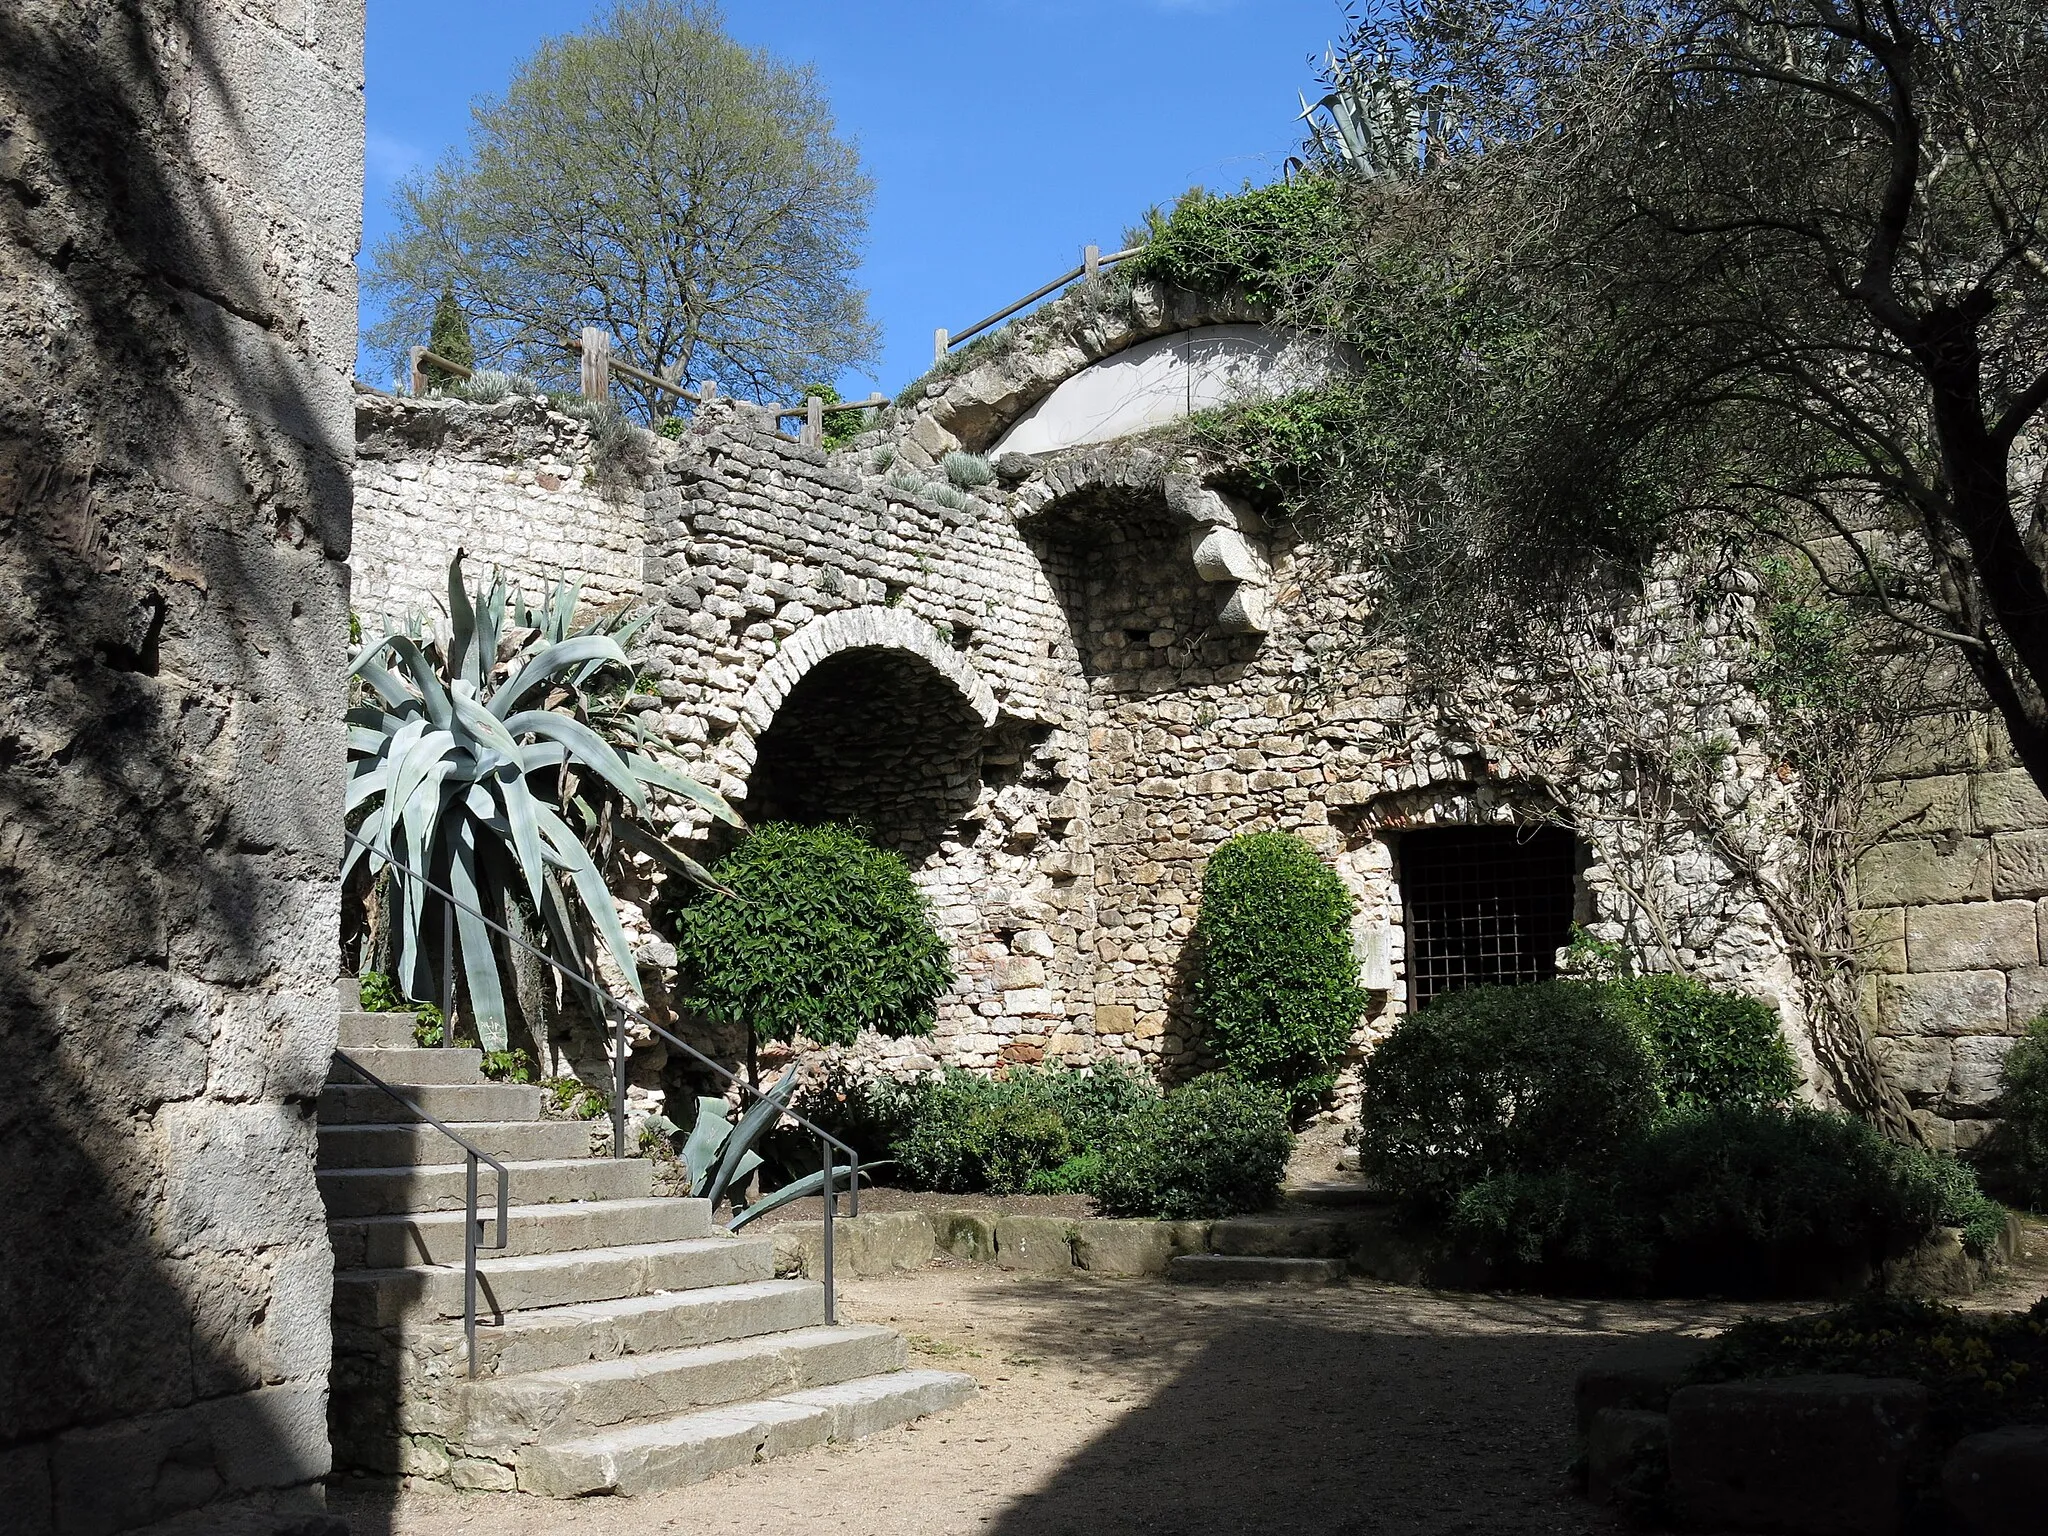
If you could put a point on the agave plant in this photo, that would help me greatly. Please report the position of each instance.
(720, 1157)
(496, 757)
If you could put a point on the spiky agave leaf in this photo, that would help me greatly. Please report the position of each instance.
(441, 768)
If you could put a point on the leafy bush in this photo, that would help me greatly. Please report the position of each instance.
(816, 933)
(974, 1133)
(868, 1111)
(841, 427)
(1277, 994)
(1273, 243)
(1711, 1047)
(1080, 1174)
(1215, 1147)
(1497, 1081)
(2013, 1159)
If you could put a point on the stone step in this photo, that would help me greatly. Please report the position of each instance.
(1236, 1269)
(444, 1186)
(436, 1237)
(374, 1031)
(380, 1298)
(645, 1458)
(410, 1146)
(1309, 1235)
(457, 1103)
(548, 1338)
(571, 1401)
(1336, 1195)
(411, 1066)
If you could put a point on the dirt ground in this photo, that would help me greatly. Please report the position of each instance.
(1128, 1406)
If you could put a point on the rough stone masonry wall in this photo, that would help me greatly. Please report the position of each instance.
(181, 191)
(508, 484)
(1954, 897)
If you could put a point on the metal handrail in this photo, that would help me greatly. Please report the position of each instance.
(619, 1012)
(471, 1221)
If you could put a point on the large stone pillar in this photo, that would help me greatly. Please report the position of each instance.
(180, 207)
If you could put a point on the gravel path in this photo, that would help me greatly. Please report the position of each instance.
(1122, 1406)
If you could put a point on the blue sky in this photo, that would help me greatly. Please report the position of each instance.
(1003, 135)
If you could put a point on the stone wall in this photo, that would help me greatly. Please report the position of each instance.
(1953, 906)
(180, 190)
(511, 485)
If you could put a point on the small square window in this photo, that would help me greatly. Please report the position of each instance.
(1485, 906)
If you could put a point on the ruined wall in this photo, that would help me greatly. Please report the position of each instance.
(1953, 907)
(180, 189)
(509, 484)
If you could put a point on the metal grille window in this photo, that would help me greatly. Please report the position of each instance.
(1486, 906)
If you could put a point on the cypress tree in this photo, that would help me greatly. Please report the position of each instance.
(449, 339)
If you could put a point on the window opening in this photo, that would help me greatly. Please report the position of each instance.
(1485, 906)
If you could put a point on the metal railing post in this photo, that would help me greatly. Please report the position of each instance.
(618, 1081)
(831, 1301)
(469, 1235)
(447, 974)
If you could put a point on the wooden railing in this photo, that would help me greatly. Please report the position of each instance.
(1092, 261)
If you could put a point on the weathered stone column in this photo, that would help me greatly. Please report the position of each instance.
(180, 207)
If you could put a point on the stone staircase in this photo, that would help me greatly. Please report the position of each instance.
(624, 1345)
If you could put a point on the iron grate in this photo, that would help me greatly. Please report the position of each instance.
(1486, 906)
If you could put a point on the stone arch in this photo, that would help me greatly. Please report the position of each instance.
(870, 717)
(861, 629)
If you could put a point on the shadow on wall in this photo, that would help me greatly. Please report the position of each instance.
(173, 508)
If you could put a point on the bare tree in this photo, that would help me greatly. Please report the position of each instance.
(652, 177)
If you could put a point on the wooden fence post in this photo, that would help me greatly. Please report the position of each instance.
(814, 420)
(419, 374)
(597, 364)
(939, 344)
(1091, 261)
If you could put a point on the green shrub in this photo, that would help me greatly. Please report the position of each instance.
(869, 1112)
(983, 1134)
(1078, 1175)
(1215, 1147)
(1272, 243)
(823, 935)
(2013, 1159)
(1733, 1198)
(1495, 1081)
(969, 471)
(1711, 1047)
(1277, 992)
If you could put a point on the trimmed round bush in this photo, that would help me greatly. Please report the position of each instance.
(1492, 1081)
(1711, 1047)
(2013, 1159)
(824, 935)
(974, 1134)
(1215, 1147)
(1277, 992)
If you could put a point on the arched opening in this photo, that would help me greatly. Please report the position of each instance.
(877, 738)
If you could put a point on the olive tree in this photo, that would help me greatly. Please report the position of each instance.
(652, 177)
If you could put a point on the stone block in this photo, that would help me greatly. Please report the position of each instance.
(1114, 1018)
(1919, 807)
(1973, 1084)
(1917, 870)
(1124, 1247)
(881, 1243)
(25, 1490)
(1626, 1456)
(1996, 1483)
(2026, 995)
(1639, 1374)
(965, 1235)
(1919, 1064)
(1941, 1003)
(1035, 1244)
(1800, 1455)
(2022, 864)
(473, 1474)
(1984, 935)
(2008, 801)
(1880, 938)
